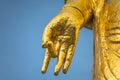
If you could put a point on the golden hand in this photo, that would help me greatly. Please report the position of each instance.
(60, 38)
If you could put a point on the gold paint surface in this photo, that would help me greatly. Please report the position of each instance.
(61, 34)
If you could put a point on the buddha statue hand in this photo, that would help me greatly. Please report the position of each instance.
(60, 37)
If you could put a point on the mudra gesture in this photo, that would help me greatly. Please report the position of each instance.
(61, 34)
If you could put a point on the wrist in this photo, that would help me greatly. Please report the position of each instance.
(73, 10)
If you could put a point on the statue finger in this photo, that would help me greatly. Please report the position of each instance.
(69, 57)
(46, 61)
(57, 46)
(61, 59)
(52, 50)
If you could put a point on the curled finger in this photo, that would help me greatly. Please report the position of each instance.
(52, 50)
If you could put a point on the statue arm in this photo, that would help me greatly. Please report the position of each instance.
(61, 33)
(85, 8)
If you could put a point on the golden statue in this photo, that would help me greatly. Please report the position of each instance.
(61, 34)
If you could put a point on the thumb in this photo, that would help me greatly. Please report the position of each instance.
(47, 34)
(55, 25)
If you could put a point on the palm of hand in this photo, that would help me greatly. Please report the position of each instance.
(59, 39)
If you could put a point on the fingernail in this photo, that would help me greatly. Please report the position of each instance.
(56, 72)
(64, 71)
(44, 45)
(65, 68)
(43, 71)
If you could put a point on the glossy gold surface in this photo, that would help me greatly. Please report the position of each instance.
(61, 34)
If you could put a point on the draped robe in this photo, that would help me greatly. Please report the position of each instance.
(105, 23)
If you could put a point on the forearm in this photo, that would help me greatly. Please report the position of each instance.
(77, 16)
(82, 9)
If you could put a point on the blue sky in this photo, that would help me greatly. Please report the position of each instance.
(21, 25)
